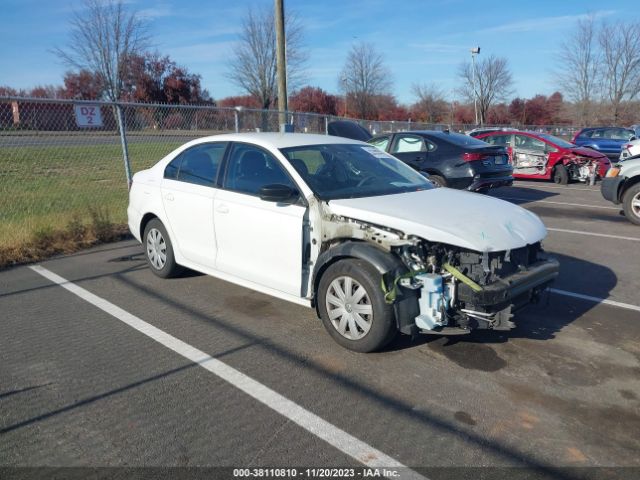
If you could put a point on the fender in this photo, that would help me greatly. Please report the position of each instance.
(406, 306)
(382, 260)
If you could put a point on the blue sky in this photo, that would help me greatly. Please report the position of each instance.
(422, 41)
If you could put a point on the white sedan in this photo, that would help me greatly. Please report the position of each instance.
(339, 226)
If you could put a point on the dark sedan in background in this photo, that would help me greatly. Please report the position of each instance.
(451, 159)
(607, 140)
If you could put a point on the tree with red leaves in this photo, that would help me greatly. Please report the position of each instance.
(83, 85)
(314, 100)
(153, 78)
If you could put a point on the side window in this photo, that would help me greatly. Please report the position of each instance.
(198, 165)
(529, 143)
(430, 146)
(380, 142)
(496, 139)
(408, 143)
(250, 168)
(171, 170)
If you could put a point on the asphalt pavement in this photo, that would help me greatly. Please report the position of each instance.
(100, 371)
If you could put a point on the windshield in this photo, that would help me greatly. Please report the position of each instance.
(351, 170)
(555, 140)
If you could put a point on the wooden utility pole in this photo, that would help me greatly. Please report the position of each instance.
(281, 62)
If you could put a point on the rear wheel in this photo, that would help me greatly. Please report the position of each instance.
(352, 306)
(159, 251)
(438, 180)
(560, 175)
(631, 203)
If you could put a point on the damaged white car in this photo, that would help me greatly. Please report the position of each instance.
(342, 227)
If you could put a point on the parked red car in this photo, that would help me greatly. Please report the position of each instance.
(539, 155)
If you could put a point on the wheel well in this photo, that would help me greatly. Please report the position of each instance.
(145, 220)
(627, 185)
(318, 275)
(381, 260)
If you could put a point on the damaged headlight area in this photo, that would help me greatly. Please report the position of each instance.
(582, 169)
(450, 290)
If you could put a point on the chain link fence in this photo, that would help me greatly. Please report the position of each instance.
(65, 164)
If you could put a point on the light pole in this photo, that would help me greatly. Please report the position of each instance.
(475, 51)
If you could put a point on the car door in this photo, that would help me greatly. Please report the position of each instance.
(258, 241)
(529, 155)
(409, 148)
(188, 189)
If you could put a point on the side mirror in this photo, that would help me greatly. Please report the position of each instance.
(278, 193)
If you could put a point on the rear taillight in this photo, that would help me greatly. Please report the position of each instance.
(628, 146)
(471, 157)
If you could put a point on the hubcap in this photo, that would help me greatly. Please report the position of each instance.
(156, 249)
(635, 204)
(349, 308)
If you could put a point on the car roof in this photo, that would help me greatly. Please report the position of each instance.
(276, 139)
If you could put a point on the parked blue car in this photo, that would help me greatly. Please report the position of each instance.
(608, 140)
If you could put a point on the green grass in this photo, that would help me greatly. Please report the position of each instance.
(45, 188)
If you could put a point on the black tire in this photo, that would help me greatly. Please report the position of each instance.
(382, 326)
(169, 268)
(560, 175)
(438, 180)
(483, 190)
(632, 213)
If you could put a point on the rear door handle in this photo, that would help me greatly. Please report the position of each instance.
(169, 196)
(222, 209)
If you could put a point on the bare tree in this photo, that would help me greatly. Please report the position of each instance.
(578, 67)
(364, 77)
(620, 46)
(253, 65)
(492, 83)
(103, 36)
(432, 101)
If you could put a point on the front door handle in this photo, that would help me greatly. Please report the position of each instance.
(222, 209)
(169, 196)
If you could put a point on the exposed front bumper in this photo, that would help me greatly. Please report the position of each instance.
(535, 278)
(610, 187)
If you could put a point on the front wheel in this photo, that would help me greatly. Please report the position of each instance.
(159, 251)
(352, 307)
(631, 204)
(560, 175)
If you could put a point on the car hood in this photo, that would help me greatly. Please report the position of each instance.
(468, 220)
(588, 152)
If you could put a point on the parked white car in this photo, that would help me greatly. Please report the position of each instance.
(630, 149)
(340, 226)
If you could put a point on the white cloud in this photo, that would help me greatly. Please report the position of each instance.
(545, 23)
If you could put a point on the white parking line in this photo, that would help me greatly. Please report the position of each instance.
(531, 200)
(553, 187)
(605, 235)
(595, 299)
(328, 432)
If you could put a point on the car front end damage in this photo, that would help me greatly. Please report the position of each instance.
(439, 288)
(451, 290)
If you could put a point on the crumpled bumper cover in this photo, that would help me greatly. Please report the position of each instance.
(536, 277)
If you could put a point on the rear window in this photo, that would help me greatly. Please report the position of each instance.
(461, 140)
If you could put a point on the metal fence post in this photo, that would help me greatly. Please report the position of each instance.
(237, 122)
(326, 125)
(123, 141)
